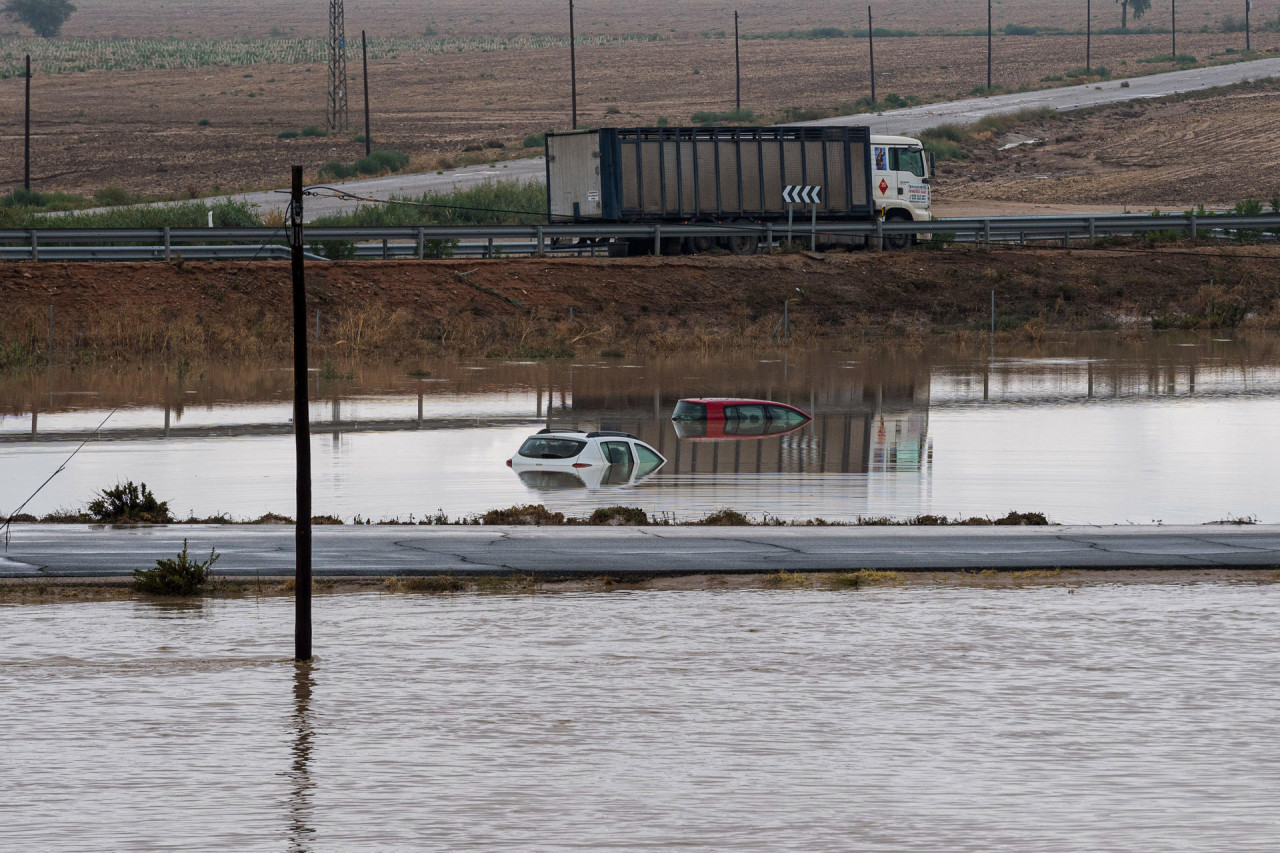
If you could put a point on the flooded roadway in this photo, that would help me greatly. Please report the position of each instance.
(1111, 717)
(1087, 430)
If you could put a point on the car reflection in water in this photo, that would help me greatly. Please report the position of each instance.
(554, 460)
(722, 418)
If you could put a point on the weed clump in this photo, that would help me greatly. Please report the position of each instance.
(784, 578)
(619, 515)
(864, 577)
(535, 515)
(725, 518)
(434, 585)
(181, 575)
(129, 503)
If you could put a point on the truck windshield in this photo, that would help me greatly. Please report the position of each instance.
(909, 160)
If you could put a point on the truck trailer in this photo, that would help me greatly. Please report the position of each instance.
(735, 176)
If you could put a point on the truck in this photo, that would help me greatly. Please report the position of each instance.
(736, 176)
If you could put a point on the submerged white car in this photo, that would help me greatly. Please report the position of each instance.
(574, 459)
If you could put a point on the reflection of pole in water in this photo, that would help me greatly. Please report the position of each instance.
(301, 831)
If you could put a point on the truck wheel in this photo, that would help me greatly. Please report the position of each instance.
(745, 245)
(700, 245)
(897, 241)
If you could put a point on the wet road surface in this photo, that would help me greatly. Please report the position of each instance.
(41, 550)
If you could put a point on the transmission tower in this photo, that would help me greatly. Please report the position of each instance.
(339, 117)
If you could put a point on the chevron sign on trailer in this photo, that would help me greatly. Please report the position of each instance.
(795, 194)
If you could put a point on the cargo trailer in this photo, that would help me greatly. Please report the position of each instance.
(734, 176)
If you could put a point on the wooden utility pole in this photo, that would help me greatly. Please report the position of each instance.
(988, 47)
(301, 433)
(1174, 29)
(871, 52)
(364, 53)
(573, 69)
(26, 145)
(737, 67)
(1088, 35)
(1247, 46)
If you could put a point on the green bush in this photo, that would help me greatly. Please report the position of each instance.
(179, 575)
(129, 503)
(113, 197)
(334, 250)
(313, 130)
(287, 134)
(498, 203)
(235, 213)
(619, 515)
(536, 140)
(336, 170)
(1020, 30)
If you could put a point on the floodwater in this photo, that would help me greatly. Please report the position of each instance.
(1086, 429)
(1125, 717)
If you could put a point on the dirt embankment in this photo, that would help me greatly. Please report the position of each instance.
(555, 307)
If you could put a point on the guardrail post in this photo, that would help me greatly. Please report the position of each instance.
(986, 233)
(657, 238)
(877, 243)
(1093, 230)
(35, 246)
(542, 247)
(1066, 239)
(488, 252)
(168, 245)
(422, 243)
(1193, 226)
(384, 248)
(768, 236)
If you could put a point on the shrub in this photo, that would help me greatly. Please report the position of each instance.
(725, 518)
(794, 114)
(536, 140)
(204, 122)
(530, 514)
(335, 170)
(179, 575)
(434, 584)
(235, 213)
(738, 116)
(313, 130)
(287, 134)
(617, 515)
(113, 196)
(334, 250)
(612, 111)
(1020, 30)
(127, 502)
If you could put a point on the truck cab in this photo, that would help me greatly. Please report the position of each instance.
(900, 178)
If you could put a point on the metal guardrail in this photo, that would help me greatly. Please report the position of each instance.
(421, 242)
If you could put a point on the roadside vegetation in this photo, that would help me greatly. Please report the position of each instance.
(181, 575)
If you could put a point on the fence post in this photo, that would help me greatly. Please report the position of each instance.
(657, 238)
(1193, 226)
(384, 248)
(168, 245)
(541, 243)
(1093, 231)
(878, 242)
(986, 232)
(489, 249)
(421, 243)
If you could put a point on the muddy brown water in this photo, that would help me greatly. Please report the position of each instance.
(1112, 717)
(1088, 430)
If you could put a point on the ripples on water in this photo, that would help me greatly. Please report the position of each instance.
(1115, 717)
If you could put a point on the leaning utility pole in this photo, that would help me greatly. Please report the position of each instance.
(339, 116)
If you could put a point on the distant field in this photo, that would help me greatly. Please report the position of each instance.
(205, 112)
(504, 18)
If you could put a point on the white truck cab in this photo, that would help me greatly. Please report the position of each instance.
(900, 178)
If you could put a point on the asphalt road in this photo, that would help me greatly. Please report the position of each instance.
(50, 550)
(910, 121)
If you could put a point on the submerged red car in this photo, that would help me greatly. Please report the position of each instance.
(735, 417)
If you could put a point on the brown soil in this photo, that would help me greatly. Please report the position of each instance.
(309, 19)
(141, 130)
(1172, 154)
(391, 309)
(62, 591)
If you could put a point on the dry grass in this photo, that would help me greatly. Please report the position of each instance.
(785, 579)
(432, 585)
(864, 577)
